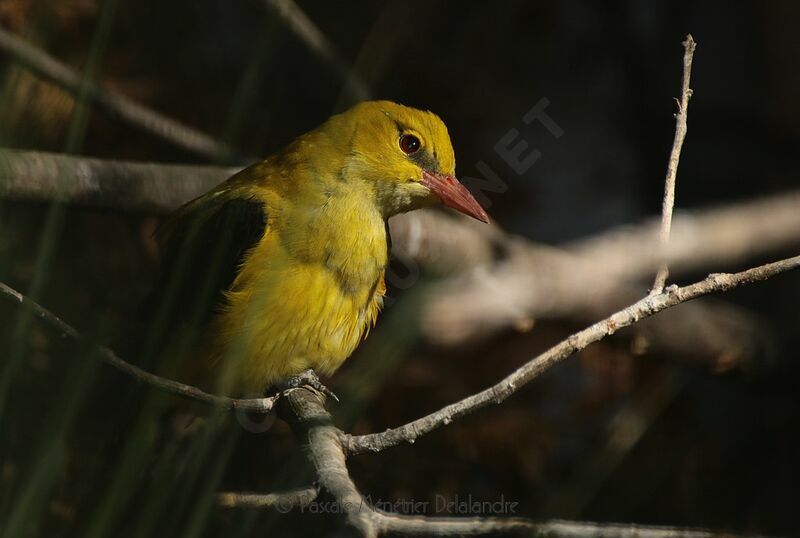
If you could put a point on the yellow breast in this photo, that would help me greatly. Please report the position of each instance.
(306, 294)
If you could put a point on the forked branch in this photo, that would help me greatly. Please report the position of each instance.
(646, 307)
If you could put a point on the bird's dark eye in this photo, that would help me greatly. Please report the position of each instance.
(409, 144)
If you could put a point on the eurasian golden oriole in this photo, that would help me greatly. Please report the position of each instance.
(279, 271)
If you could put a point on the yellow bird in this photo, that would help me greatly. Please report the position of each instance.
(278, 273)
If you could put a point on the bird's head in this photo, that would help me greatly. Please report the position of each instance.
(405, 156)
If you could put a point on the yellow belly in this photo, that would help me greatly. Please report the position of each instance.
(284, 317)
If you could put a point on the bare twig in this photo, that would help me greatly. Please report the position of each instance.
(674, 157)
(455, 526)
(582, 529)
(256, 405)
(310, 34)
(427, 526)
(495, 394)
(283, 501)
(125, 108)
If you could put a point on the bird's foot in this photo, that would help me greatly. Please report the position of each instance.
(308, 377)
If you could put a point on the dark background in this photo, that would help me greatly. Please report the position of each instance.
(704, 449)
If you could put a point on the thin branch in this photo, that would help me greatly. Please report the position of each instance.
(283, 501)
(429, 526)
(674, 157)
(310, 34)
(256, 405)
(125, 108)
(582, 529)
(495, 394)
(454, 526)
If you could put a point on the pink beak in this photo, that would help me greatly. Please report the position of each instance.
(453, 194)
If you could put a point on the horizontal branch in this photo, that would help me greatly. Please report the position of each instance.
(495, 394)
(130, 186)
(406, 525)
(164, 127)
(434, 239)
(434, 526)
(582, 529)
(283, 501)
(257, 405)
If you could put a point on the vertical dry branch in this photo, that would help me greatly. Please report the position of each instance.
(674, 157)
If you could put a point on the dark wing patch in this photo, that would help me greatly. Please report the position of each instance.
(203, 246)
